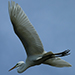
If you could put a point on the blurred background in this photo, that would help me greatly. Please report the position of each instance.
(54, 21)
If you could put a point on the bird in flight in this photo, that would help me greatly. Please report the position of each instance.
(36, 54)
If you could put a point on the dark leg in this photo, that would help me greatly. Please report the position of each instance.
(65, 53)
(50, 55)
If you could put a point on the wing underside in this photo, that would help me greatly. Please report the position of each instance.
(57, 62)
(24, 30)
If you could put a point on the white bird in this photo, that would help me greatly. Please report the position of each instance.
(31, 42)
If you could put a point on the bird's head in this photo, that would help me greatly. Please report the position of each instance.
(20, 66)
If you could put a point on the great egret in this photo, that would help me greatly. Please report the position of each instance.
(31, 42)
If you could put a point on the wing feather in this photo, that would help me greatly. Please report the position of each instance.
(24, 30)
(57, 62)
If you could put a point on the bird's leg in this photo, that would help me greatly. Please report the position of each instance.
(64, 53)
(50, 55)
(53, 55)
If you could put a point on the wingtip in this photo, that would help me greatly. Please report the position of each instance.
(70, 65)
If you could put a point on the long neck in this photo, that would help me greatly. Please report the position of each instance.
(22, 68)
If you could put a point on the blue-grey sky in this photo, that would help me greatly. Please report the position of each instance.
(54, 20)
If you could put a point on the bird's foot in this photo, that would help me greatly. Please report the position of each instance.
(64, 53)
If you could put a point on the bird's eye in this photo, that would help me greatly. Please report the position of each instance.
(16, 64)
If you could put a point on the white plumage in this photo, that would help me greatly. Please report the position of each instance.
(31, 41)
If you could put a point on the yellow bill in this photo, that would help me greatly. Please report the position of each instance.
(13, 68)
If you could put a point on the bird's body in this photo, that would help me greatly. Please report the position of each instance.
(31, 42)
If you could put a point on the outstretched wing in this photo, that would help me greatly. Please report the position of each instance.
(57, 62)
(24, 30)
